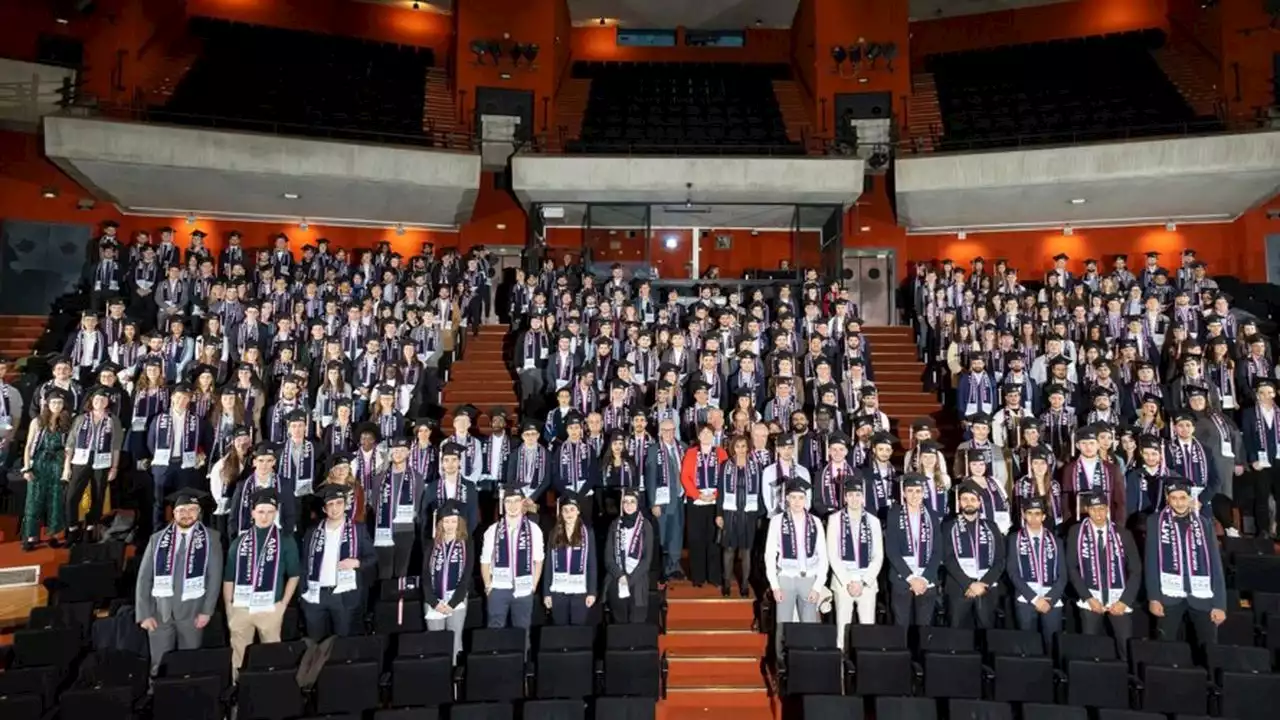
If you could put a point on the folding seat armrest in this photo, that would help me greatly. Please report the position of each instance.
(917, 675)
(664, 669)
(1060, 682)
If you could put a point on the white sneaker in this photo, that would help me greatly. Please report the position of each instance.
(1233, 533)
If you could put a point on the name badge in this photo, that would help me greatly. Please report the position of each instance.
(404, 515)
(1227, 452)
(80, 456)
(969, 566)
(346, 581)
(139, 424)
(188, 459)
(162, 587)
(662, 496)
(569, 583)
(731, 502)
(161, 457)
(303, 487)
(101, 461)
(382, 537)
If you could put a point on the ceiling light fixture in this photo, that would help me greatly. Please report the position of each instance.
(602, 22)
(962, 235)
(399, 229)
(191, 218)
(1068, 231)
(670, 242)
(49, 192)
(62, 21)
(865, 228)
(304, 225)
(1077, 201)
(1171, 226)
(291, 196)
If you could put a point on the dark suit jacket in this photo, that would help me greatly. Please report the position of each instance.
(367, 556)
(1132, 565)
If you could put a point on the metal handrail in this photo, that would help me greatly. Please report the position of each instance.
(455, 140)
(1069, 138)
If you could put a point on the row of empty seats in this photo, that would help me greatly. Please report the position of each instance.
(690, 108)
(1013, 666)
(1093, 88)
(302, 83)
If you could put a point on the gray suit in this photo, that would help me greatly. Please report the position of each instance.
(175, 618)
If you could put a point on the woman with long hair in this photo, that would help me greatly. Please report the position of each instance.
(618, 472)
(628, 553)
(126, 351)
(332, 390)
(341, 436)
(234, 462)
(252, 398)
(46, 468)
(569, 577)
(150, 399)
(739, 508)
(1220, 369)
(1039, 482)
(389, 420)
(203, 389)
(93, 443)
(446, 574)
(341, 475)
(933, 466)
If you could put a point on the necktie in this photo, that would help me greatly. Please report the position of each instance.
(182, 554)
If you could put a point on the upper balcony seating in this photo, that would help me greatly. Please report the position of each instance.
(1095, 88)
(305, 83)
(682, 108)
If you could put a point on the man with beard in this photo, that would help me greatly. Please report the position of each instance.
(974, 559)
(179, 580)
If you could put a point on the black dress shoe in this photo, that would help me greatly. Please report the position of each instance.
(28, 545)
(744, 592)
(724, 591)
(698, 584)
(55, 543)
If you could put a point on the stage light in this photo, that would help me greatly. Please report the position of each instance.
(670, 242)
(304, 225)
(838, 54)
(479, 48)
(191, 218)
(291, 196)
(962, 235)
(49, 193)
(890, 51)
(1171, 226)
(516, 52)
(1068, 231)
(1077, 201)
(399, 229)
(531, 52)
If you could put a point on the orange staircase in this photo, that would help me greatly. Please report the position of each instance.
(899, 376)
(19, 335)
(795, 114)
(439, 112)
(1192, 72)
(715, 659)
(571, 105)
(924, 117)
(481, 378)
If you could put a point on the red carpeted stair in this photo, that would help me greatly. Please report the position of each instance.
(899, 377)
(715, 658)
(19, 334)
(481, 378)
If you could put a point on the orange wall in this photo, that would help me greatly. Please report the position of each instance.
(746, 252)
(1248, 44)
(529, 21)
(1077, 18)
(762, 45)
(844, 22)
(340, 17)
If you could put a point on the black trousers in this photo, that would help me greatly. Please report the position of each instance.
(1253, 490)
(393, 562)
(624, 610)
(907, 608)
(330, 616)
(1169, 627)
(1028, 618)
(704, 553)
(568, 609)
(965, 612)
(1092, 623)
(95, 481)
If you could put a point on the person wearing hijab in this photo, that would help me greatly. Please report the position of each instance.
(629, 551)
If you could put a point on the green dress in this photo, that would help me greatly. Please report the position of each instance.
(46, 504)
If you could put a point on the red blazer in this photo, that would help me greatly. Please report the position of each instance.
(689, 469)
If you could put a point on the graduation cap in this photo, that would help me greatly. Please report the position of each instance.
(1055, 389)
(1010, 389)
(968, 488)
(914, 480)
(853, 485)
(110, 224)
(187, 496)
(572, 418)
(929, 446)
(1153, 254)
(514, 489)
(1094, 499)
(109, 366)
(97, 390)
(1098, 392)
(263, 449)
(199, 234)
(797, 485)
(1061, 256)
(265, 496)
(785, 440)
(882, 438)
(921, 424)
(331, 491)
(979, 418)
(449, 508)
(864, 420)
(1175, 483)
(1034, 503)
(837, 438)
(570, 498)
(1184, 416)
(184, 388)
(1041, 452)
(867, 391)
(1088, 432)
(296, 416)
(470, 411)
(1262, 382)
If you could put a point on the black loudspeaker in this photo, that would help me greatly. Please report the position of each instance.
(59, 50)
(866, 106)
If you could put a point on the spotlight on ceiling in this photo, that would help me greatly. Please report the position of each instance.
(291, 196)
(399, 229)
(479, 48)
(1077, 201)
(531, 52)
(304, 225)
(49, 192)
(838, 54)
(603, 22)
(962, 235)
(1171, 226)
(670, 242)
(1068, 231)
(191, 218)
